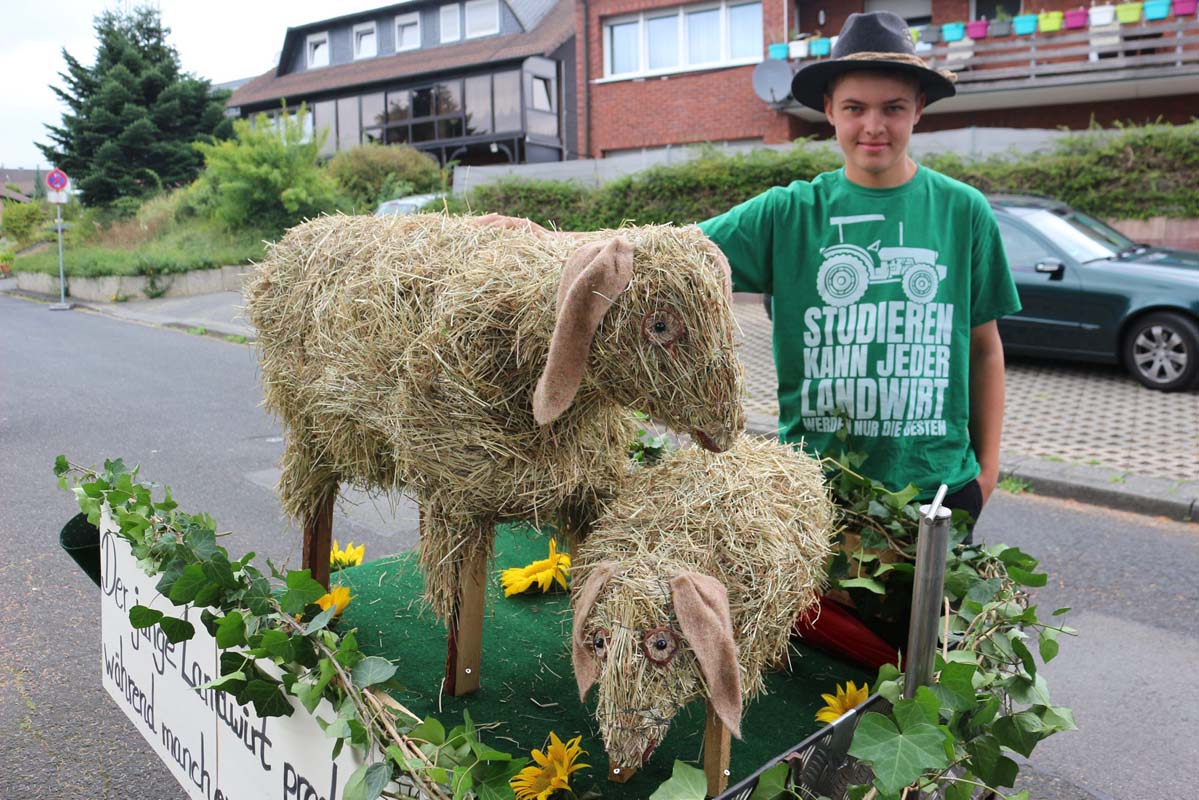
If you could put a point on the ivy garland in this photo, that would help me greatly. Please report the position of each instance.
(987, 698)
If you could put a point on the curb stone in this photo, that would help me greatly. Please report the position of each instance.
(1124, 491)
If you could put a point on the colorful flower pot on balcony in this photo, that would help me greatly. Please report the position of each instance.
(1129, 13)
(1102, 15)
(977, 29)
(1157, 9)
(777, 50)
(1000, 27)
(953, 31)
(1184, 8)
(798, 48)
(819, 47)
(1024, 24)
(1076, 18)
(931, 35)
(1049, 21)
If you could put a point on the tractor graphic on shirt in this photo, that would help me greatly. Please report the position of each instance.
(848, 269)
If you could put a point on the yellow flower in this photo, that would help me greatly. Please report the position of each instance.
(848, 698)
(543, 573)
(350, 557)
(338, 596)
(551, 772)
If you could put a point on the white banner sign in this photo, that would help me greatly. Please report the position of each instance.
(216, 748)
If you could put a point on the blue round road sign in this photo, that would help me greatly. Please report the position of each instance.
(56, 179)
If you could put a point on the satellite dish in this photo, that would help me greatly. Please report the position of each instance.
(772, 80)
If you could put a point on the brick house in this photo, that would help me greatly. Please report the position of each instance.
(657, 73)
(473, 81)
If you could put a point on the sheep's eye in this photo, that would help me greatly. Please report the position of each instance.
(599, 643)
(659, 645)
(662, 327)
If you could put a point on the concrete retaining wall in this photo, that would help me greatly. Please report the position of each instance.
(133, 287)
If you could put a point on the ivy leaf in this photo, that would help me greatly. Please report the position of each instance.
(1027, 578)
(988, 762)
(869, 584)
(1048, 644)
(225, 682)
(685, 783)
(898, 758)
(231, 630)
(320, 620)
(430, 731)
(955, 687)
(1019, 732)
(276, 644)
(177, 630)
(61, 466)
(1033, 692)
(143, 617)
(1057, 718)
(268, 700)
(485, 753)
(772, 784)
(188, 585)
(202, 542)
(302, 591)
(368, 781)
(257, 596)
(372, 670)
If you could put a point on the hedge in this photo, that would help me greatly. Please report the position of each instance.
(1128, 172)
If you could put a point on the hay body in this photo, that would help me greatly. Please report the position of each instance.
(403, 352)
(757, 517)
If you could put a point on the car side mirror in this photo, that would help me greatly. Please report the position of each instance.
(1053, 267)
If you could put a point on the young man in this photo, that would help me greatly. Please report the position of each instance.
(887, 280)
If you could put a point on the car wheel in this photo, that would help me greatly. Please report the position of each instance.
(1161, 350)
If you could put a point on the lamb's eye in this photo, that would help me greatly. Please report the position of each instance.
(599, 643)
(659, 645)
(662, 327)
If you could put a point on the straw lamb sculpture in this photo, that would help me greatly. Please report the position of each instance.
(488, 371)
(688, 586)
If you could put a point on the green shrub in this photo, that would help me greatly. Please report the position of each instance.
(1129, 172)
(23, 221)
(267, 177)
(372, 173)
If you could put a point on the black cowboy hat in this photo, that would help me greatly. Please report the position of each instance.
(879, 41)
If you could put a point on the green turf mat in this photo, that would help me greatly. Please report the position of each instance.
(528, 686)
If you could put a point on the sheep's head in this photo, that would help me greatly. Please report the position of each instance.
(649, 315)
(652, 643)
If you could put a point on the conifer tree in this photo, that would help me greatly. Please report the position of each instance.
(133, 116)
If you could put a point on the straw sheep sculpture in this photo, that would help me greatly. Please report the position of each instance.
(689, 583)
(487, 370)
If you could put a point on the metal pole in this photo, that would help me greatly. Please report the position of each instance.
(928, 592)
(62, 304)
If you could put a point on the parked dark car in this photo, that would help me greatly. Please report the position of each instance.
(1092, 294)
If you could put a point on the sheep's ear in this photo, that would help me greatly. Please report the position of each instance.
(591, 280)
(722, 265)
(701, 604)
(585, 664)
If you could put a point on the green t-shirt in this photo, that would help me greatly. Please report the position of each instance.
(875, 293)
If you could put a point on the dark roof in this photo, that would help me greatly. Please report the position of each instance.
(556, 28)
(25, 178)
(9, 194)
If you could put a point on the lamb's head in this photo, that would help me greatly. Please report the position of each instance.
(653, 641)
(647, 316)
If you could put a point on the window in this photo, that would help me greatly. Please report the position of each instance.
(324, 118)
(507, 101)
(542, 99)
(318, 50)
(347, 123)
(399, 106)
(372, 110)
(482, 18)
(691, 37)
(449, 23)
(990, 8)
(916, 12)
(478, 104)
(364, 40)
(1022, 249)
(407, 32)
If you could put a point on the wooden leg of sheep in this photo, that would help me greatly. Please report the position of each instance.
(318, 540)
(464, 648)
(716, 753)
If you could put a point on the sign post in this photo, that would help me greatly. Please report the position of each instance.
(57, 182)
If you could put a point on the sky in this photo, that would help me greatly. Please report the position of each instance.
(221, 40)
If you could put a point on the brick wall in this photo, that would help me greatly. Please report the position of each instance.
(683, 108)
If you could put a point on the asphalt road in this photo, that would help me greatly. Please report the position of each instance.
(186, 409)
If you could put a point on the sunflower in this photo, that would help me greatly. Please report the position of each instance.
(543, 573)
(350, 557)
(338, 596)
(848, 698)
(552, 770)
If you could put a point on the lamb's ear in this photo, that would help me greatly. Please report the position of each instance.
(722, 264)
(701, 604)
(591, 280)
(585, 664)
